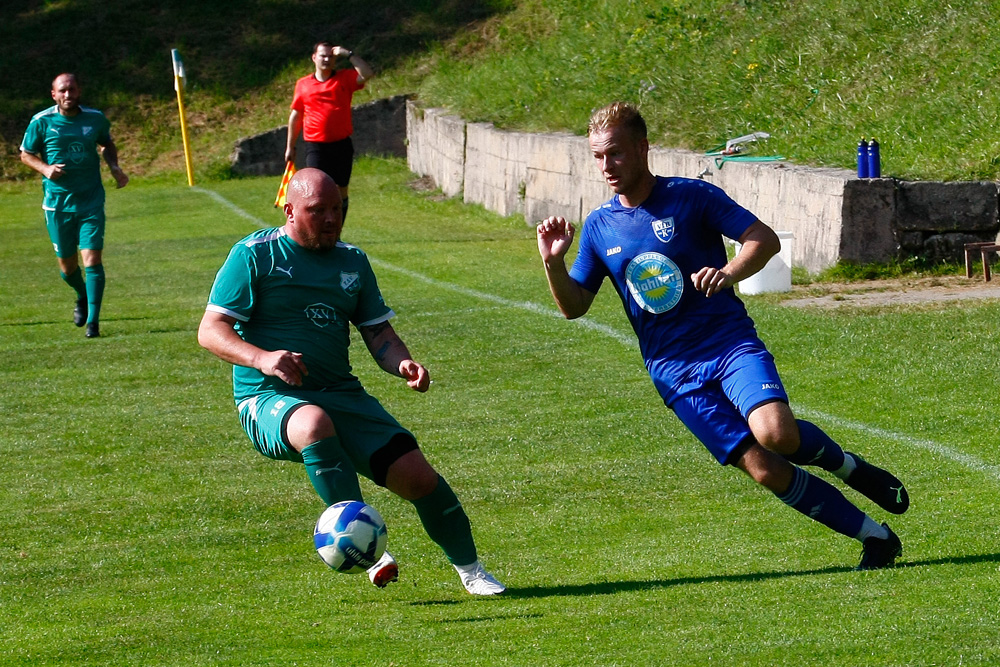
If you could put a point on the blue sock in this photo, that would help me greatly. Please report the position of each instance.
(816, 448)
(819, 500)
(95, 291)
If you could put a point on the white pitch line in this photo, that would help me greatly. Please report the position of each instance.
(231, 206)
(530, 306)
(950, 453)
(947, 452)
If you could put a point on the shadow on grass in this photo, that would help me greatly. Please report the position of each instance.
(612, 587)
(64, 320)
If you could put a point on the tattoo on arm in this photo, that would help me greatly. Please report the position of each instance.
(377, 329)
(382, 351)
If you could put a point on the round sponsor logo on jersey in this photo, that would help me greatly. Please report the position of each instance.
(655, 282)
(664, 229)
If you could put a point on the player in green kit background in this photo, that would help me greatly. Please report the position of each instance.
(61, 143)
(280, 311)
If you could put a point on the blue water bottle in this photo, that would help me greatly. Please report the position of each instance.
(862, 158)
(874, 160)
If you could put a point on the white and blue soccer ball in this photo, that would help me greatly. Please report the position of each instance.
(350, 536)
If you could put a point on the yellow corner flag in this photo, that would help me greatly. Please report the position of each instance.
(279, 201)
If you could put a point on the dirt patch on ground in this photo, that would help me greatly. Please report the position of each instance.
(907, 291)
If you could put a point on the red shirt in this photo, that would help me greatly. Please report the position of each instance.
(326, 105)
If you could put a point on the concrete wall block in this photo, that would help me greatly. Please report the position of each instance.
(494, 171)
(551, 152)
(830, 212)
(868, 221)
(959, 206)
(949, 246)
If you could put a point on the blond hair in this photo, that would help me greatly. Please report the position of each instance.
(618, 114)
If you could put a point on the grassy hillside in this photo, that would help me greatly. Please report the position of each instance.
(919, 75)
(242, 59)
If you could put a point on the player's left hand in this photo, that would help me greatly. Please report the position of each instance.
(416, 376)
(711, 280)
(121, 178)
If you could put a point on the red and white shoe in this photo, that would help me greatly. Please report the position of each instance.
(385, 571)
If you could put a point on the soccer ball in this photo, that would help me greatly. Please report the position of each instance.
(350, 536)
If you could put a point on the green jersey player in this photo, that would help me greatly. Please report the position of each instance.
(61, 143)
(280, 311)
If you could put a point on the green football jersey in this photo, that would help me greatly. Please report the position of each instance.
(72, 141)
(285, 297)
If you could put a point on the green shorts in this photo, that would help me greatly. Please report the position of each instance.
(362, 424)
(69, 230)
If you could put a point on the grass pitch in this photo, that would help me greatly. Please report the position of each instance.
(140, 528)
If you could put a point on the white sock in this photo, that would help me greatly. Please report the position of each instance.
(467, 569)
(844, 471)
(871, 529)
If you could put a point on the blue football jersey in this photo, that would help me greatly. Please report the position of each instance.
(649, 252)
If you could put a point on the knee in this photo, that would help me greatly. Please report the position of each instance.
(411, 477)
(774, 427)
(307, 425)
(780, 440)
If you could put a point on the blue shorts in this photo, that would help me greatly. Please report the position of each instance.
(362, 424)
(71, 230)
(729, 389)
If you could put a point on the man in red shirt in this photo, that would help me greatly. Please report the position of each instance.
(321, 110)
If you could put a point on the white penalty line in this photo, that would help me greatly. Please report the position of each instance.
(944, 451)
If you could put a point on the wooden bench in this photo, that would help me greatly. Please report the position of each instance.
(984, 248)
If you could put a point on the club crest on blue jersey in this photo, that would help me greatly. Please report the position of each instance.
(655, 282)
(350, 282)
(321, 314)
(664, 229)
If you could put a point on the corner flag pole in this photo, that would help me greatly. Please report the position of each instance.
(179, 87)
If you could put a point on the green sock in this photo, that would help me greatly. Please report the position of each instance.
(332, 474)
(75, 280)
(447, 524)
(95, 291)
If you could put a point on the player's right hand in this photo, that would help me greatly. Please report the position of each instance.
(555, 236)
(55, 171)
(284, 365)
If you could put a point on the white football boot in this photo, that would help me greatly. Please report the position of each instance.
(478, 581)
(385, 571)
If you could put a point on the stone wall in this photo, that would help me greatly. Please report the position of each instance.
(831, 213)
(379, 129)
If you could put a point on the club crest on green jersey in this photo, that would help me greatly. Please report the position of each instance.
(321, 314)
(350, 282)
(655, 282)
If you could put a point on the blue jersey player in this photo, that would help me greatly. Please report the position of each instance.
(659, 241)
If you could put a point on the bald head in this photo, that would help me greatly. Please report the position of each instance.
(313, 210)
